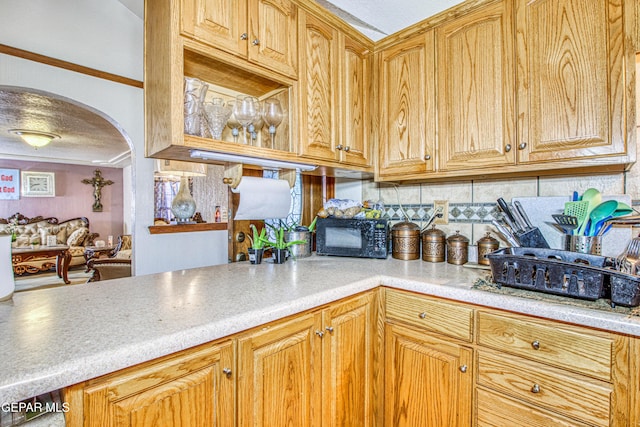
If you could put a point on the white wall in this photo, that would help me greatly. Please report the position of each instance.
(106, 36)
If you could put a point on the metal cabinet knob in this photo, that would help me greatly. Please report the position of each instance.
(347, 148)
(329, 329)
(522, 146)
(244, 36)
(320, 334)
(339, 147)
(463, 368)
(507, 148)
(536, 345)
(427, 157)
(256, 42)
(422, 315)
(535, 388)
(227, 372)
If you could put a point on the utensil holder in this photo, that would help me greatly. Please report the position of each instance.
(583, 244)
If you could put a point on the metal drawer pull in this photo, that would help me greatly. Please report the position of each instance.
(507, 148)
(463, 368)
(339, 147)
(522, 146)
(227, 372)
(427, 157)
(256, 42)
(320, 334)
(329, 328)
(536, 345)
(423, 315)
(347, 148)
(535, 388)
(244, 36)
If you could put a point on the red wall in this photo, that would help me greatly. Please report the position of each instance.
(73, 198)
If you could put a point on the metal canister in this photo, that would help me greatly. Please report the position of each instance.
(486, 245)
(457, 249)
(406, 240)
(434, 245)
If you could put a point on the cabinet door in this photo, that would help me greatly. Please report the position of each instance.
(476, 90)
(273, 35)
(347, 355)
(407, 108)
(318, 82)
(571, 79)
(428, 381)
(354, 75)
(196, 389)
(218, 23)
(279, 375)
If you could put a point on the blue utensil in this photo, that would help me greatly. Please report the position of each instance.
(575, 197)
(600, 214)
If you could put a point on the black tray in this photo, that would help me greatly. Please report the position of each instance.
(625, 289)
(550, 271)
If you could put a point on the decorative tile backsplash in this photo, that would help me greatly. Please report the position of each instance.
(458, 212)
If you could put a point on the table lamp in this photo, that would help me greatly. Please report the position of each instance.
(183, 205)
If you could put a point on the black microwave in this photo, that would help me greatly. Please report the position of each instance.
(363, 238)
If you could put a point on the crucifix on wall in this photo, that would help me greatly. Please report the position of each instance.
(97, 182)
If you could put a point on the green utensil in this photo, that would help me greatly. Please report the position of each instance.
(594, 198)
(601, 212)
(579, 210)
(622, 210)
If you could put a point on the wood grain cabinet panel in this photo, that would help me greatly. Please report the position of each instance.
(221, 23)
(407, 108)
(428, 381)
(279, 374)
(571, 79)
(319, 88)
(476, 90)
(195, 388)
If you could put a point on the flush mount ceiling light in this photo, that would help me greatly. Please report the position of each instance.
(34, 138)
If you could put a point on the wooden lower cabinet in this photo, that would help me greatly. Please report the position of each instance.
(313, 370)
(193, 388)
(279, 374)
(428, 380)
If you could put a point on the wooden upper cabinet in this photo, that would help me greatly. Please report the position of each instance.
(476, 90)
(571, 79)
(318, 87)
(355, 71)
(262, 31)
(273, 35)
(220, 23)
(406, 107)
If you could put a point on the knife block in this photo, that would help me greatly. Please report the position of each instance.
(531, 239)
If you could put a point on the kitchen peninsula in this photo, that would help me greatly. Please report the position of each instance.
(55, 338)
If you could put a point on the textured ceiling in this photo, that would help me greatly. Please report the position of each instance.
(85, 136)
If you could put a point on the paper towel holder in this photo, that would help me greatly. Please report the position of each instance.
(233, 175)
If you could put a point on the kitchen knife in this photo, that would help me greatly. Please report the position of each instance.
(507, 211)
(506, 233)
(523, 214)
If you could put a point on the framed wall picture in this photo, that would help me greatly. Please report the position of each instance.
(38, 184)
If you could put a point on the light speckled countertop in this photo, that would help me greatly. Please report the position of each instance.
(56, 337)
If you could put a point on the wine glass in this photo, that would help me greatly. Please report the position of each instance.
(256, 125)
(233, 123)
(273, 116)
(245, 109)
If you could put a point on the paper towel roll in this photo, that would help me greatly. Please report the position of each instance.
(262, 198)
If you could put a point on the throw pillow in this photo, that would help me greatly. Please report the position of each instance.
(59, 232)
(77, 237)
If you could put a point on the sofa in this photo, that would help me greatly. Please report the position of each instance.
(74, 233)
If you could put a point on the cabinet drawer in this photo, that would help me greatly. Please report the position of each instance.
(494, 410)
(569, 394)
(442, 317)
(564, 347)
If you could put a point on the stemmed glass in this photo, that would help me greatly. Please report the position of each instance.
(245, 109)
(272, 115)
(217, 114)
(256, 125)
(233, 123)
